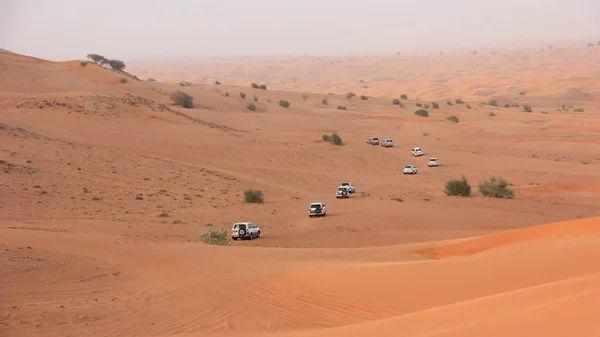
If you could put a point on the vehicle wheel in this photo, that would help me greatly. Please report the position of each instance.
(234, 239)
(258, 234)
(251, 237)
(242, 232)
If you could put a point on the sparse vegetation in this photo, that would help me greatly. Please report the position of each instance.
(492, 102)
(182, 99)
(262, 87)
(453, 119)
(255, 86)
(578, 110)
(251, 107)
(255, 98)
(217, 83)
(419, 104)
(496, 188)
(527, 108)
(304, 97)
(522, 93)
(83, 63)
(426, 134)
(491, 114)
(185, 84)
(151, 79)
(163, 214)
(507, 105)
(422, 113)
(468, 106)
(364, 98)
(341, 107)
(242, 95)
(404, 96)
(458, 187)
(325, 101)
(435, 105)
(426, 106)
(459, 101)
(253, 196)
(334, 138)
(396, 101)
(284, 104)
(396, 198)
(449, 102)
(215, 236)
(350, 95)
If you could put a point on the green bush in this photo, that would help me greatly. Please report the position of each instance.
(350, 95)
(422, 113)
(182, 99)
(242, 95)
(334, 138)
(522, 93)
(254, 85)
(578, 110)
(507, 105)
(492, 102)
(468, 106)
(419, 104)
(404, 96)
(341, 107)
(83, 63)
(216, 237)
(217, 83)
(396, 101)
(435, 105)
(255, 98)
(449, 102)
(325, 101)
(496, 188)
(527, 108)
(284, 104)
(426, 106)
(253, 196)
(262, 87)
(251, 107)
(452, 119)
(458, 187)
(364, 98)
(459, 101)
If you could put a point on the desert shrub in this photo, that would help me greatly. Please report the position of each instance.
(426, 106)
(419, 104)
(262, 87)
(255, 86)
(453, 119)
(334, 138)
(527, 108)
(350, 95)
(422, 113)
(492, 102)
(215, 237)
(253, 196)
(284, 104)
(515, 105)
(468, 106)
(83, 63)
(251, 107)
(404, 96)
(459, 101)
(185, 84)
(242, 95)
(396, 101)
(226, 94)
(123, 79)
(98, 59)
(435, 105)
(491, 114)
(458, 187)
(255, 98)
(304, 97)
(496, 188)
(341, 107)
(522, 93)
(116, 64)
(579, 110)
(507, 105)
(449, 102)
(182, 99)
(364, 98)
(324, 101)
(217, 83)
(151, 79)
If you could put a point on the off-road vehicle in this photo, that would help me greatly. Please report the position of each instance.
(317, 209)
(245, 230)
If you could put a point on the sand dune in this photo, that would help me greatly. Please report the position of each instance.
(106, 186)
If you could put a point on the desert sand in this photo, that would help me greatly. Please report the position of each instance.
(106, 185)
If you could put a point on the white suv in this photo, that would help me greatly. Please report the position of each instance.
(373, 141)
(247, 230)
(317, 209)
(410, 169)
(433, 162)
(416, 151)
(342, 192)
(387, 143)
(351, 188)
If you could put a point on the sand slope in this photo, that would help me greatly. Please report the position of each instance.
(105, 187)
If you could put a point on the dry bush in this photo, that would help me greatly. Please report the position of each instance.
(334, 138)
(496, 188)
(182, 99)
(284, 104)
(458, 187)
(215, 237)
(253, 196)
(422, 113)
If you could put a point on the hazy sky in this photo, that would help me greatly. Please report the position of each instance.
(129, 29)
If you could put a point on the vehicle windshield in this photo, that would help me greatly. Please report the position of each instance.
(240, 226)
(407, 166)
(375, 138)
(315, 205)
(345, 184)
(432, 159)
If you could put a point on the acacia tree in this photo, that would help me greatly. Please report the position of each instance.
(116, 64)
(98, 59)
